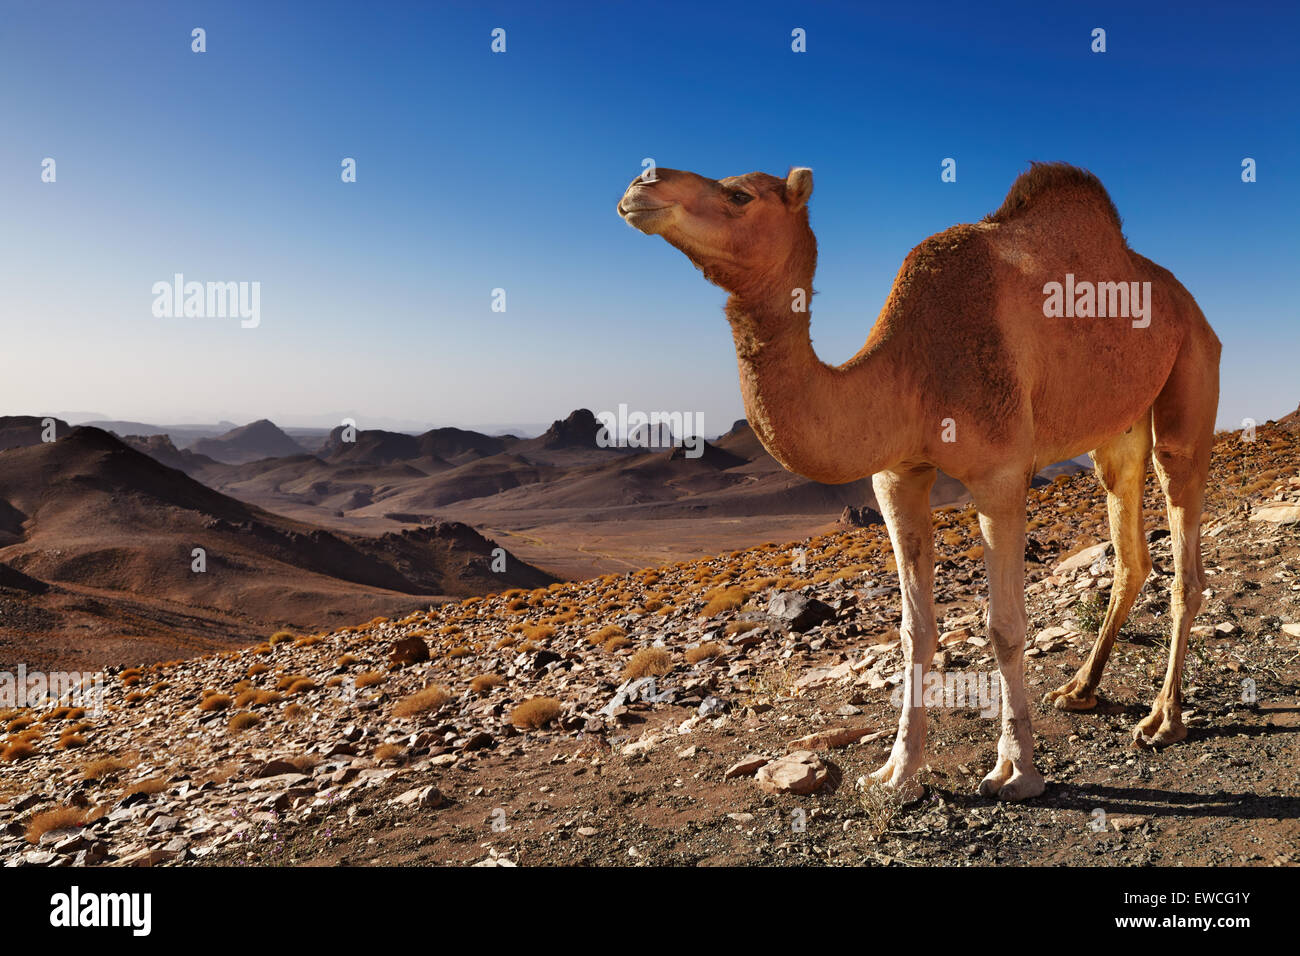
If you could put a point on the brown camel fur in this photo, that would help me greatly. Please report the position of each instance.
(964, 371)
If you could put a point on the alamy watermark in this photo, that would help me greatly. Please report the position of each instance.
(1099, 300)
(37, 689)
(653, 430)
(981, 690)
(208, 300)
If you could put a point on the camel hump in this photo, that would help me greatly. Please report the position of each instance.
(1043, 184)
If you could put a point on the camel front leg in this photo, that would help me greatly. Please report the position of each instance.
(1002, 521)
(904, 499)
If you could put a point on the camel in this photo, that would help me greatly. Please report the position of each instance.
(968, 369)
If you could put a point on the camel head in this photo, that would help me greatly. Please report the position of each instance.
(748, 234)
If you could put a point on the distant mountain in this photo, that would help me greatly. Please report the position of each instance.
(113, 531)
(19, 431)
(259, 439)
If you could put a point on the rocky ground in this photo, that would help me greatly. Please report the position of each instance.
(718, 711)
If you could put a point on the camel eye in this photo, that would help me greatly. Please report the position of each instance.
(739, 197)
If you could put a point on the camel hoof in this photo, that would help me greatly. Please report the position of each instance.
(908, 788)
(1004, 782)
(1070, 697)
(1159, 730)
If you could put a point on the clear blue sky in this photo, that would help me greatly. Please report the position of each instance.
(478, 171)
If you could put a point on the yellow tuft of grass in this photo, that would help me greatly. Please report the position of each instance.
(104, 767)
(60, 818)
(302, 685)
(703, 652)
(538, 632)
(215, 702)
(347, 660)
(18, 750)
(615, 644)
(258, 668)
(536, 713)
(648, 661)
(605, 634)
(485, 682)
(70, 742)
(386, 752)
(280, 637)
(431, 698)
(243, 721)
(21, 723)
(369, 678)
(149, 786)
(726, 599)
(256, 698)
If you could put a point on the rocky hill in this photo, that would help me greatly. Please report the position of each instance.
(718, 711)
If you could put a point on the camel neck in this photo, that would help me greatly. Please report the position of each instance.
(832, 424)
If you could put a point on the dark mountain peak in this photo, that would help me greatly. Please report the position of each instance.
(579, 430)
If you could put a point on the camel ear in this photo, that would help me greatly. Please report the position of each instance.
(798, 186)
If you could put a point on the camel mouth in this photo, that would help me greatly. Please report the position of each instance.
(643, 215)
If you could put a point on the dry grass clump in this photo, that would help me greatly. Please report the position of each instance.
(347, 660)
(258, 668)
(70, 742)
(431, 698)
(605, 634)
(134, 697)
(456, 653)
(256, 698)
(279, 637)
(538, 632)
(215, 702)
(18, 750)
(615, 644)
(648, 661)
(726, 599)
(104, 767)
(60, 818)
(294, 711)
(308, 641)
(386, 752)
(535, 713)
(703, 652)
(518, 604)
(369, 678)
(485, 682)
(740, 627)
(149, 786)
(302, 685)
(243, 721)
(508, 641)
(21, 723)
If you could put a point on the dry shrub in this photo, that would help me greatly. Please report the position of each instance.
(385, 752)
(728, 599)
(535, 713)
(335, 681)
(294, 711)
(507, 641)
(431, 698)
(647, 661)
(279, 637)
(308, 641)
(21, 723)
(302, 685)
(740, 627)
(256, 698)
(538, 632)
(485, 682)
(605, 634)
(369, 678)
(703, 652)
(70, 742)
(615, 644)
(347, 660)
(258, 668)
(18, 750)
(456, 653)
(104, 767)
(518, 604)
(60, 818)
(149, 786)
(242, 721)
(134, 697)
(215, 702)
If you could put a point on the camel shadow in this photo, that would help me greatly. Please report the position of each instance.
(1152, 802)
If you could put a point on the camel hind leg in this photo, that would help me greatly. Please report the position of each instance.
(1183, 426)
(1121, 465)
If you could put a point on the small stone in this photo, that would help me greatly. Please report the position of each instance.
(425, 797)
(799, 772)
(745, 767)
